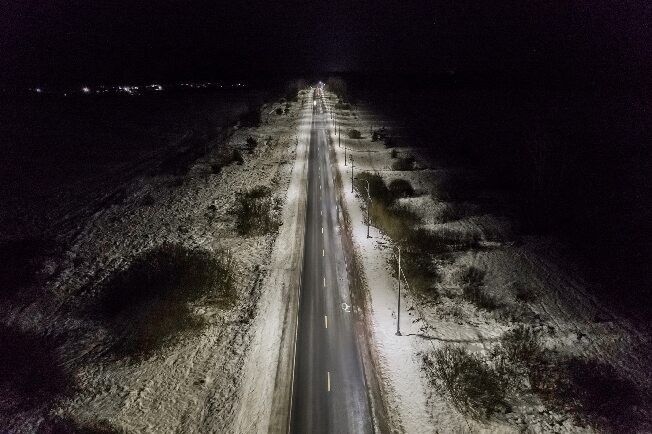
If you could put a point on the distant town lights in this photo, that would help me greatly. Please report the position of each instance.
(85, 89)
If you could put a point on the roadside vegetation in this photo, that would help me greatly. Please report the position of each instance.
(482, 386)
(418, 245)
(471, 280)
(486, 386)
(341, 105)
(403, 163)
(354, 134)
(257, 212)
(148, 304)
(529, 367)
(472, 384)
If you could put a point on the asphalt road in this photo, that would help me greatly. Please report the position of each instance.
(329, 391)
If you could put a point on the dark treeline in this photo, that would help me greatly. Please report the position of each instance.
(577, 158)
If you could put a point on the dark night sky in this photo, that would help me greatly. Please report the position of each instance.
(90, 41)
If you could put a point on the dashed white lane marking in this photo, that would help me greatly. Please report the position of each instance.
(323, 253)
(328, 380)
(322, 230)
(326, 320)
(324, 281)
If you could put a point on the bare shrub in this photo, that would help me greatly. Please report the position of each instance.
(395, 222)
(400, 188)
(419, 270)
(456, 239)
(342, 105)
(471, 280)
(592, 391)
(524, 294)
(251, 142)
(425, 241)
(470, 277)
(237, 157)
(522, 346)
(354, 134)
(404, 163)
(473, 386)
(255, 212)
(377, 188)
(452, 211)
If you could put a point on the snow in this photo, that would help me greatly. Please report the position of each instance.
(257, 390)
(563, 307)
(193, 384)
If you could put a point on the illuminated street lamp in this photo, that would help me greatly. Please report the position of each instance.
(398, 315)
(351, 156)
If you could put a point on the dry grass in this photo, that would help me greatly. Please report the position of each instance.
(256, 212)
(471, 280)
(592, 391)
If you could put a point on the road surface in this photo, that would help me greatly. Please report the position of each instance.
(329, 394)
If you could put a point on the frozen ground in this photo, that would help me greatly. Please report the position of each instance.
(559, 304)
(193, 383)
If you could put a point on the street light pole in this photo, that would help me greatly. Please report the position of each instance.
(398, 316)
(351, 173)
(368, 205)
(345, 152)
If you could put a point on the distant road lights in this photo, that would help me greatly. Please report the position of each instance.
(86, 89)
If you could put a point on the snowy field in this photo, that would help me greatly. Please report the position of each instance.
(531, 281)
(190, 381)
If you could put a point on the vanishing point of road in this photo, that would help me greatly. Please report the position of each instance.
(329, 394)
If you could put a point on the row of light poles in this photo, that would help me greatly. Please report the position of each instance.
(338, 130)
